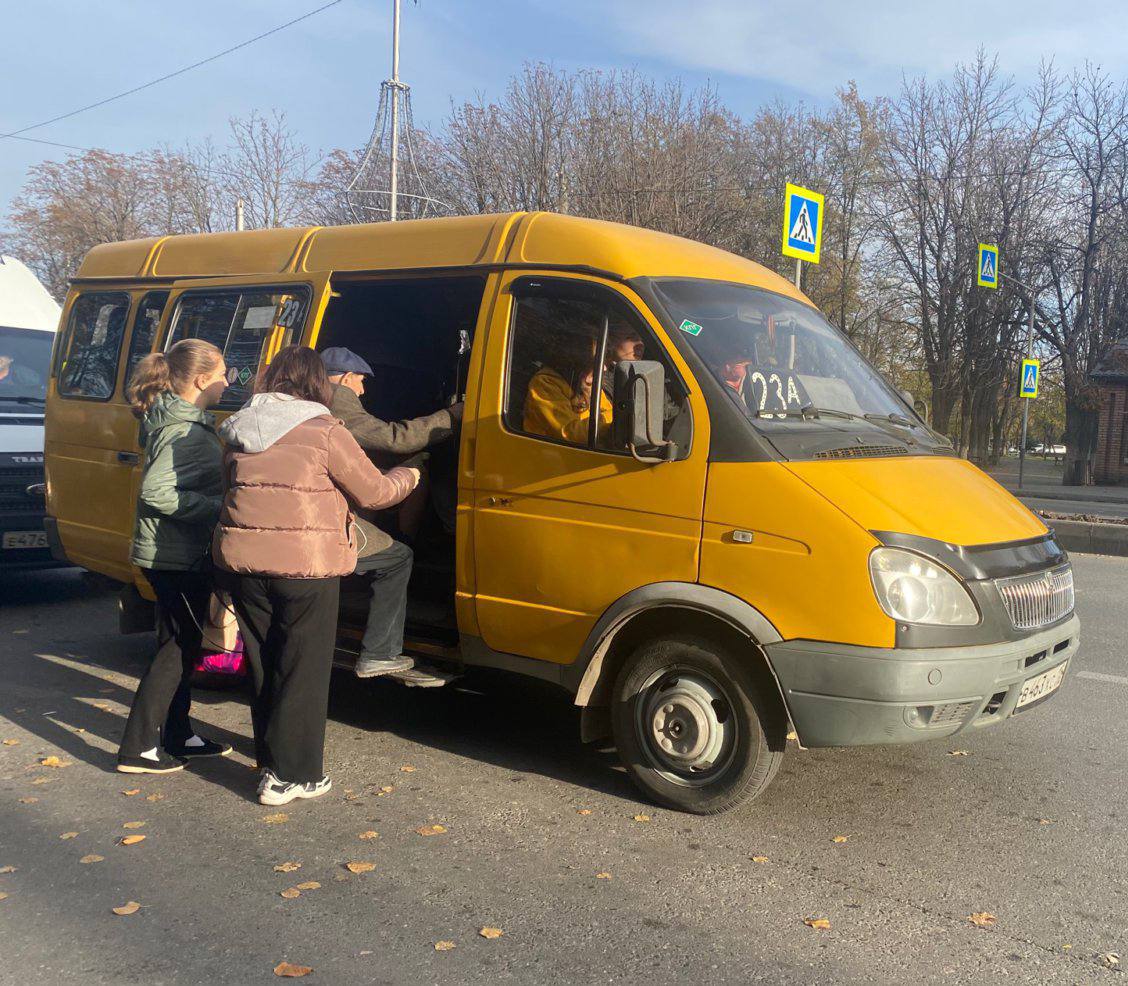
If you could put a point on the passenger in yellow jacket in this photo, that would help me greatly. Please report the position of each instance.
(555, 410)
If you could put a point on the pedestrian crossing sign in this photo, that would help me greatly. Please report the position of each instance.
(802, 223)
(1028, 381)
(988, 265)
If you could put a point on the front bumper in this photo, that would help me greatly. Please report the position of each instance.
(842, 695)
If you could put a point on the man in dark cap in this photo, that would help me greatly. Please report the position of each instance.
(387, 560)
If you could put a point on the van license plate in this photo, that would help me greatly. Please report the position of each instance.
(24, 539)
(1041, 686)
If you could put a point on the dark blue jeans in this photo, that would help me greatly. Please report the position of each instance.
(391, 569)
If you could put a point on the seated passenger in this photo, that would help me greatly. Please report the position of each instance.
(387, 560)
(558, 401)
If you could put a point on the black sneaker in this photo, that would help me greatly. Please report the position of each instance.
(165, 763)
(206, 748)
(274, 791)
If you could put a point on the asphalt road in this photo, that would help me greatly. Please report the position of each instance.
(1030, 825)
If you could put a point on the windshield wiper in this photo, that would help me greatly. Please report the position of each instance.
(806, 411)
(894, 418)
(21, 399)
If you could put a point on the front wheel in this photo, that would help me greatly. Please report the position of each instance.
(694, 727)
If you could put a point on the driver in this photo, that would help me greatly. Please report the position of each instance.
(13, 374)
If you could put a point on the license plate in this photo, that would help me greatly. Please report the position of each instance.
(1040, 686)
(24, 539)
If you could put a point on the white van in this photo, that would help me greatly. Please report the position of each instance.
(29, 317)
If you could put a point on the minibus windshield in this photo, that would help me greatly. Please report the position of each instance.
(779, 360)
(24, 358)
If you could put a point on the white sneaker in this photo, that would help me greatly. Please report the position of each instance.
(274, 791)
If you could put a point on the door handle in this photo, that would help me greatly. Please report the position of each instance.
(128, 458)
(498, 501)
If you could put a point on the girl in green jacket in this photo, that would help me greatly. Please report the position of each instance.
(177, 508)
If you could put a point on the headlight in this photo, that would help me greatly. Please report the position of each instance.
(914, 589)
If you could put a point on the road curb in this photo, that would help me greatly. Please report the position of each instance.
(1091, 538)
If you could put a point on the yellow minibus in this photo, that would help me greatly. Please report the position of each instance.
(724, 526)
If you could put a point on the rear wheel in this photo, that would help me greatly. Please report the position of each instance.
(695, 728)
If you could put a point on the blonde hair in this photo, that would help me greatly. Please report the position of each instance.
(172, 371)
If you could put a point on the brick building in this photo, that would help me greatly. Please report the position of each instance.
(1111, 377)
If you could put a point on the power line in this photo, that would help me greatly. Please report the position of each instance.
(170, 75)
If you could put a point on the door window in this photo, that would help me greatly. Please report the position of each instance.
(145, 324)
(242, 324)
(90, 363)
(563, 349)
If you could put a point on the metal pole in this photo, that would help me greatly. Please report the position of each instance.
(1025, 400)
(394, 177)
(239, 215)
(798, 273)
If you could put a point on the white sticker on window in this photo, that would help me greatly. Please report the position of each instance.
(259, 318)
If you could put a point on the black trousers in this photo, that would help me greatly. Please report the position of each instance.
(289, 629)
(164, 696)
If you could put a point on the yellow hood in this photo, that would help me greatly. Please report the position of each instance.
(936, 497)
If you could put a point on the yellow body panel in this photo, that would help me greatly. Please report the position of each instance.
(943, 498)
(807, 568)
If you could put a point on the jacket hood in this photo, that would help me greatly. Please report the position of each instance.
(266, 419)
(168, 409)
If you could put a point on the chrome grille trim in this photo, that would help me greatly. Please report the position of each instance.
(1034, 601)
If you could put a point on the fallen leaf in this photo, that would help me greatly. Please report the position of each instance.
(287, 867)
(1045, 821)
(431, 830)
(491, 932)
(155, 797)
(759, 859)
(130, 908)
(92, 858)
(1110, 960)
(369, 835)
(131, 840)
(1066, 947)
(360, 867)
(583, 811)
(277, 819)
(841, 838)
(53, 762)
(3, 896)
(983, 919)
(69, 835)
(132, 791)
(603, 876)
(290, 893)
(43, 780)
(792, 735)
(28, 801)
(285, 970)
(387, 789)
(959, 753)
(821, 924)
(133, 825)
(7, 869)
(11, 742)
(444, 946)
(351, 797)
(642, 818)
(309, 885)
(407, 769)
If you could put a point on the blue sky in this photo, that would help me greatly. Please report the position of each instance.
(325, 72)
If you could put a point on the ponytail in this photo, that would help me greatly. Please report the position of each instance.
(172, 371)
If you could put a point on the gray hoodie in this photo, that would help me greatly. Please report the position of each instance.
(266, 419)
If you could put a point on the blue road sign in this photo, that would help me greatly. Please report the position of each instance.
(988, 265)
(802, 224)
(1028, 381)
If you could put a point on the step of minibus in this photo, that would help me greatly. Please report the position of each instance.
(437, 665)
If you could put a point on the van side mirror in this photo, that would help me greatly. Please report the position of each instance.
(639, 405)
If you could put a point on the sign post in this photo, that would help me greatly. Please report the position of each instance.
(802, 227)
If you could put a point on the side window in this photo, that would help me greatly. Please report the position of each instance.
(145, 324)
(241, 323)
(94, 334)
(556, 344)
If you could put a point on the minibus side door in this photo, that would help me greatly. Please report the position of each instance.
(564, 526)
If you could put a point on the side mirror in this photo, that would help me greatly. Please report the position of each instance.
(640, 401)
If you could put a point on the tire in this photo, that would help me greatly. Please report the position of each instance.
(697, 729)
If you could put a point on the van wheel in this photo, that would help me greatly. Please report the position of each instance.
(693, 728)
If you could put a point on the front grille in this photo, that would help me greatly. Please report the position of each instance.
(13, 485)
(860, 451)
(1038, 600)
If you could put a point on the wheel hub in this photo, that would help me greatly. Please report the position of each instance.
(687, 721)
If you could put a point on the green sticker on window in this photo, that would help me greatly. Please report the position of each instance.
(691, 327)
(245, 374)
